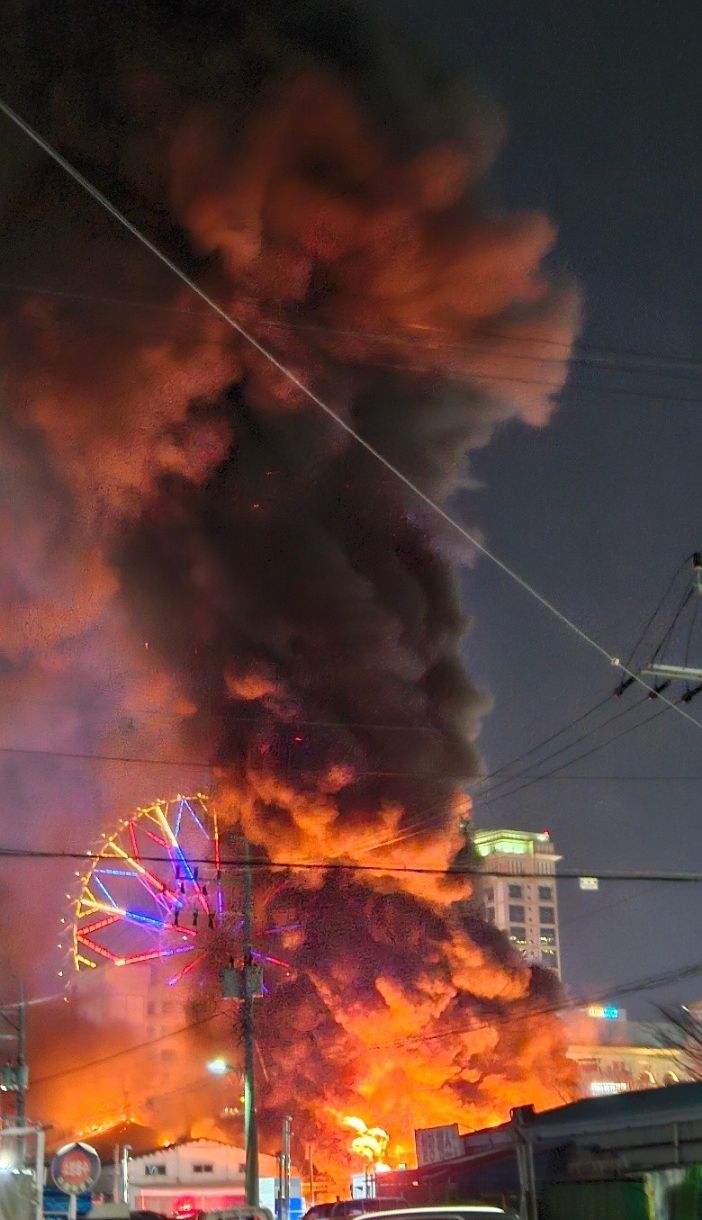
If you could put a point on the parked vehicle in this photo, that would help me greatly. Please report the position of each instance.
(348, 1209)
(453, 1211)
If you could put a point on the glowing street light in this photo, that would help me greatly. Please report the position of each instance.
(219, 1066)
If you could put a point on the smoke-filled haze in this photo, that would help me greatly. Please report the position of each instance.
(198, 564)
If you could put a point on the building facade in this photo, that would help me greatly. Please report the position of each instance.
(518, 892)
(200, 1176)
(615, 1055)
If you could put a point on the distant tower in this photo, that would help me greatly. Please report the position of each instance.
(519, 895)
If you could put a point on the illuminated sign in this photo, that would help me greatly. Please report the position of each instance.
(605, 1012)
(75, 1168)
(605, 1088)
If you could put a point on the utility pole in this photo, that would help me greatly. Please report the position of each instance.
(250, 976)
(245, 985)
(285, 1170)
(311, 1164)
(21, 1059)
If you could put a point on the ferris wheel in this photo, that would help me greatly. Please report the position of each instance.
(155, 891)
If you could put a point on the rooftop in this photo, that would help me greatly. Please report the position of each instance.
(513, 842)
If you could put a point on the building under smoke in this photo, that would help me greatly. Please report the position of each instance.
(519, 892)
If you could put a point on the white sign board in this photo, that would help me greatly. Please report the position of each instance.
(589, 883)
(438, 1144)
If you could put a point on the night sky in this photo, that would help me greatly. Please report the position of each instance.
(598, 509)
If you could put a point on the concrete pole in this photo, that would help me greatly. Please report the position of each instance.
(285, 1166)
(250, 1122)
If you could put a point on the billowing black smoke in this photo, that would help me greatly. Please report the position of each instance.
(262, 593)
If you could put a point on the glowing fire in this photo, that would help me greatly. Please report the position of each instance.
(370, 1143)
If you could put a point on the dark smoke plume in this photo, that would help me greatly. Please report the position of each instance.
(167, 485)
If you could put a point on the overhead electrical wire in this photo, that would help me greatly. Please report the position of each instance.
(580, 355)
(649, 983)
(127, 1050)
(632, 728)
(323, 406)
(545, 742)
(652, 983)
(36, 855)
(618, 715)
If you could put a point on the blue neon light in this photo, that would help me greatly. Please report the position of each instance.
(141, 917)
(105, 890)
(189, 872)
(195, 818)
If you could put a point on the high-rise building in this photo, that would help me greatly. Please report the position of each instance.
(518, 891)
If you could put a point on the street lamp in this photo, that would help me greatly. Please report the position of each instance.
(219, 1066)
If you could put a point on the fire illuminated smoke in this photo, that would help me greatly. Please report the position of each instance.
(300, 606)
(369, 1143)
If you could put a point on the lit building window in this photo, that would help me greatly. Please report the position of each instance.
(518, 935)
(547, 936)
(547, 915)
(515, 891)
(516, 914)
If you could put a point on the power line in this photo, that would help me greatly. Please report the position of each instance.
(611, 778)
(648, 984)
(578, 758)
(323, 406)
(578, 353)
(345, 866)
(507, 779)
(546, 741)
(624, 900)
(127, 1050)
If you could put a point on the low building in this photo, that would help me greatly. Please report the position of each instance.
(200, 1175)
(518, 892)
(634, 1155)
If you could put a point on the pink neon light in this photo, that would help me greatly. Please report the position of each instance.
(159, 885)
(130, 959)
(95, 948)
(156, 838)
(186, 970)
(101, 923)
(275, 961)
(133, 840)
